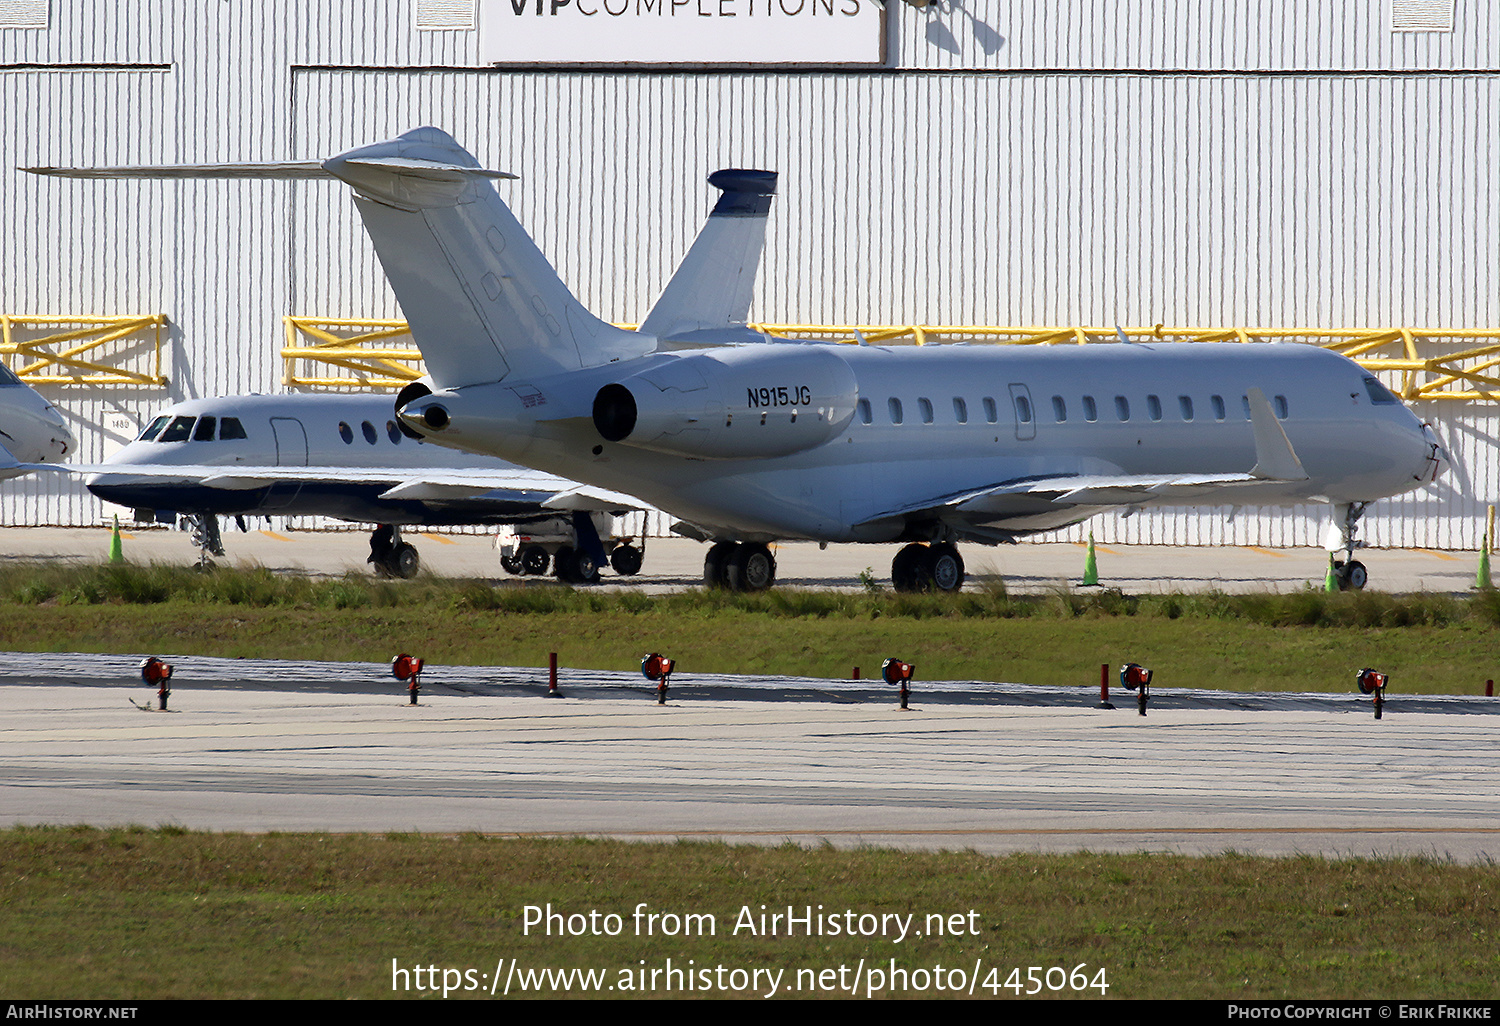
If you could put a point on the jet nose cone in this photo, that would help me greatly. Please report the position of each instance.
(1437, 460)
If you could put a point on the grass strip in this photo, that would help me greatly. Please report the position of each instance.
(137, 913)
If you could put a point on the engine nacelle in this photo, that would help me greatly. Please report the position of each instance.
(732, 403)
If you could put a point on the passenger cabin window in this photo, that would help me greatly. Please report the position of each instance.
(346, 433)
(1282, 411)
(1059, 409)
(1122, 407)
(924, 406)
(153, 429)
(1379, 394)
(393, 432)
(1023, 409)
(180, 430)
(1245, 403)
(369, 431)
(991, 411)
(1090, 411)
(865, 416)
(960, 410)
(1153, 407)
(1217, 402)
(1185, 404)
(894, 406)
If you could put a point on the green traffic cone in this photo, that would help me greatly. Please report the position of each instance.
(1482, 578)
(1330, 579)
(1090, 565)
(116, 551)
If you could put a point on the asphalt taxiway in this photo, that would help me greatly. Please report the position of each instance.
(258, 746)
(675, 563)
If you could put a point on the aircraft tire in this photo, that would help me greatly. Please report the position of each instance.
(947, 568)
(585, 569)
(911, 570)
(716, 564)
(1353, 576)
(405, 562)
(562, 564)
(512, 564)
(752, 568)
(534, 560)
(626, 560)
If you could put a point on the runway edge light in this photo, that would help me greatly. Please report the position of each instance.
(657, 667)
(894, 671)
(1373, 682)
(409, 669)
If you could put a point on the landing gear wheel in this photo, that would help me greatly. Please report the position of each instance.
(1351, 576)
(752, 568)
(534, 560)
(716, 564)
(404, 562)
(911, 570)
(575, 566)
(947, 567)
(626, 560)
(512, 564)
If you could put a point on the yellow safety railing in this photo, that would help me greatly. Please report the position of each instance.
(348, 344)
(1420, 364)
(80, 350)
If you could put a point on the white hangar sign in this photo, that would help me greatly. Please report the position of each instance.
(718, 32)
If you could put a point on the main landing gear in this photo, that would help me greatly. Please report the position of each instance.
(391, 556)
(1349, 573)
(936, 567)
(739, 566)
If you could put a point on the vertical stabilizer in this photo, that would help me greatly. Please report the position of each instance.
(482, 301)
(711, 289)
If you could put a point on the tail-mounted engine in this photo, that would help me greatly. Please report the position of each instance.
(732, 403)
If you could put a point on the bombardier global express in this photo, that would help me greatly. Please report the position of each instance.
(751, 441)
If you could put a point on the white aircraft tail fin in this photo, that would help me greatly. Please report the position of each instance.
(711, 289)
(481, 299)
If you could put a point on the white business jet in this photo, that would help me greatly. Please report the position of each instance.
(344, 456)
(32, 431)
(755, 441)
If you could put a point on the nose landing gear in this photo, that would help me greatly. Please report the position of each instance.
(1349, 573)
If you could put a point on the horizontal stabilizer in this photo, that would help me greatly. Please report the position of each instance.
(289, 170)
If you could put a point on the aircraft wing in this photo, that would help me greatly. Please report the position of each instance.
(435, 485)
(12, 467)
(1275, 463)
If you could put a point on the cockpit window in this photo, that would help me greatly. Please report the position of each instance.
(230, 427)
(180, 430)
(205, 431)
(153, 429)
(1379, 394)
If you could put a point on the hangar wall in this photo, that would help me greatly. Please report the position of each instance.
(1086, 162)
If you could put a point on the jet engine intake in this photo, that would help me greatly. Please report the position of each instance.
(733, 404)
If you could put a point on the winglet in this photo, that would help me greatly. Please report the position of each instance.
(711, 289)
(1275, 460)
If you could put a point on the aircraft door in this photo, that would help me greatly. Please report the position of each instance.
(291, 441)
(1025, 411)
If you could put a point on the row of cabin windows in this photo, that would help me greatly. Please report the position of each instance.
(206, 429)
(371, 435)
(1090, 409)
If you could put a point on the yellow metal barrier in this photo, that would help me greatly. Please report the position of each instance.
(85, 351)
(346, 344)
(1421, 364)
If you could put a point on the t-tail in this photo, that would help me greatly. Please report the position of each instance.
(482, 301)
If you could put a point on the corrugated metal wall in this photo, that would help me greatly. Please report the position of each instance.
(1088, 162)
